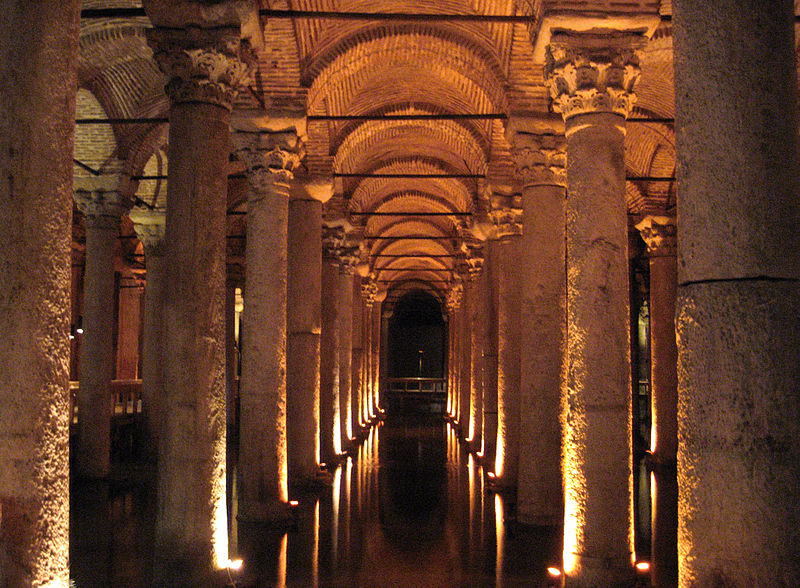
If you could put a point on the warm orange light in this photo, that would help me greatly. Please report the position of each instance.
(234, 564)
(554, 572)
(490, 475)
(293, 503)
(643, 567)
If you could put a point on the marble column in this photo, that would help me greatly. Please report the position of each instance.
(150, 226)
(304, 324)
(378, 349)
(129, 323)
(478, 321)
(507, 231)
(369, 291)
(330, 421)
(453, 300)
(37, 110)
(357, 357)
(271, 158)
(489, 313)
(203, 67)
(538, 147)
(102, 206)
(348, 257)
(464, 372)
(591, 78)
(738, 302)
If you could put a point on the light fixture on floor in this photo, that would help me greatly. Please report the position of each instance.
(554, 575)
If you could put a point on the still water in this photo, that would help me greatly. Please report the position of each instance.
(410, 508)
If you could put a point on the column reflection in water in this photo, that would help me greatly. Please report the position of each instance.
(499, 529)
(664, 558)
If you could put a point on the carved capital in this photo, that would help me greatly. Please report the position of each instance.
(349, 258)
(506, 221)
(150, 225)
(369, 291)
(592, 72)
(270, 158)
(100, 200)
(540, 159)
(660, 234)
(202, 64)
(455, 294)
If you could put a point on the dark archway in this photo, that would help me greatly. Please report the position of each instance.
(417, 332)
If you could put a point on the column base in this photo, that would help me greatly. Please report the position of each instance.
(590, 572)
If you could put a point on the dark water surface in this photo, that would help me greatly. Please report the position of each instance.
(409, 509)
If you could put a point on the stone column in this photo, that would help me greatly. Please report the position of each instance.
(464, 372)
(738, 303)
(348, 257)
(476, 356)
(455, 295)
(591, 78)
(378, 349)
(538, 147)
(489, 313)
(304, 324)
(203, 69)
(37, 110)
(102, 206)
(357, 335)
(271, 158)
(507, 230)
(150, 226)
(330, 421)
(129, 322)
(369, 291)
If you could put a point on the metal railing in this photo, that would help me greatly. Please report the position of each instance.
(125, 398)
(428, 386)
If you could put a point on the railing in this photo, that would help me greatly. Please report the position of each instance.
(416, 385)
(125, 398)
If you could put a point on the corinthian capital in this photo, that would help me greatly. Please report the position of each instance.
(150, 225)
(455, 294)
(660, 234)
(592, 72)
(270, 158)
(505, 216)
(100, 200)
(369, 291)
(202, 64)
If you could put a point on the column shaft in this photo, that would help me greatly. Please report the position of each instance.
(478, 321)
(192, 442)
(541, 267)
(345, 355)
(97, 354)
(357, 334)
(490, 301)
(597, 436)
(330, 422)
(36, 144)
(152, 355)
(738, 303)
(303, 357)
(464, 372)
(508, 363)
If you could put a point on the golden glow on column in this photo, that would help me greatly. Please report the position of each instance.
(219, 514)
(350, 422)
(574, 500)
(337, 428)
(336, 500)
(500, 453)
(315, 555)
(500, 536)
(283, 470)
(282, 561)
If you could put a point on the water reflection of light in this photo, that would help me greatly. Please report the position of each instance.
(336, 500)
(219, 517)
(315, 555)
(500, 537)
(282, 559)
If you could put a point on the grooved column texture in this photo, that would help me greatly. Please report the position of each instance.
(303, 345)
(477, 318)
(738, 303)
(490, 303)
(357, 358)
(37, 114)
(345, 318)
(464, 371)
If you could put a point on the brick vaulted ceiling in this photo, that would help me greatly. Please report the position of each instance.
(378, 68)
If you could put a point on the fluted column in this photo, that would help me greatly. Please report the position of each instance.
(506, 232)
(357, 357)
(464, 372)
(150, 226)
(591, 78)
(738, 302)
(37, 107)
(304, 324)
(378, 349)
(102, 206)
(271, 158)
(203, 68)
(478, 341)
(538, 147)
